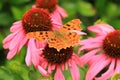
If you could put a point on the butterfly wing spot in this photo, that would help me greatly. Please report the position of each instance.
(41, 33)
(67, 24)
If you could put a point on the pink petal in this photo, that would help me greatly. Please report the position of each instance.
(28, 57)
(6, 45)
(63, 67)
(58, 75)
(96, 68)
(62, 12)
(108, 73)
(66, 65)
(53, 67)
(89, 46)
(43, 71)
(56, 17)
(40, 44)
(78, 32)
(87, 57)
(97, 58)
(16, 40)
(44, 64)
(34, 52)
(9, 38)
(117, 69)
(101, 29)
(11, 54)
(56, 24)
(16, 26)
(22, 43)
(74, 71)
(76, 59)
(49, 69)
(92, 40)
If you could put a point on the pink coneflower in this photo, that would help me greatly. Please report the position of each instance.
(103, 52)
(33, 20)
(51, 59)
(53, 8)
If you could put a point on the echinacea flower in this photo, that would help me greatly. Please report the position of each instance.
(33, 20)
(51, 59)
(103, 52)
(56, 12)
(59, 60)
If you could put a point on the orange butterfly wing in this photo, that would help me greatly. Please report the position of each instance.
(71, 25)
(60, 39)
(67, 38)
(41, 36)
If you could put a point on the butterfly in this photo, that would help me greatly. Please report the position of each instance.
(59, 39)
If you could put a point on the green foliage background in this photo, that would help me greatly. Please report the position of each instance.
(88, 11)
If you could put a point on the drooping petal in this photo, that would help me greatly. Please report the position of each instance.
(56, 24)
(11, 53)
(34, 52)
(28, 57)
(44, 64)
(92, 40)
(49, 69)
(22, 43)
(74, 71)
(58, 75)
(97, 58)
(16, 40)
(117, 69)
(62, 12)
(96, 68)
(108, 73)
(55, 20)
(87, 57)
(101, 29)
(43, 71)
(16, 26)
(9, 38)
(76, 59)
(89, 47)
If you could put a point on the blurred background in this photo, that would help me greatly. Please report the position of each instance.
(89, 11)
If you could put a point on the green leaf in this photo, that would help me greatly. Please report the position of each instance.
(115, 23)
(112, 10)
(83, 72)
(1, 4)
(85, 9)
(5, 19)
(1, 39)
(18, 12)
(67, 74)
(8, 74)
(101, 5)
(18, 2)
(70, 8)
(18, 67)
(115, 76)
(34, 74)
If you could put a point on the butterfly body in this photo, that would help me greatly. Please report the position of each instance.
(59, 39)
